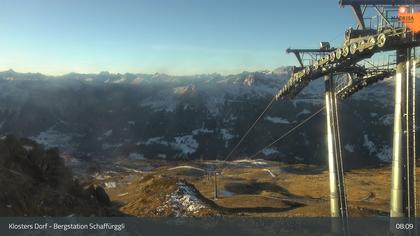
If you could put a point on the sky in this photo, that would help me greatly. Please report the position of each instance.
(179, 37)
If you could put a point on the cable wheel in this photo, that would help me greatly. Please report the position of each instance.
(381, 40)
(361, 46)
(338, 54)
(353, 48)
(345, 51)
(319, 62)
(372, 42)
(332, 57)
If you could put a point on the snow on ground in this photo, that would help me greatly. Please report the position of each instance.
(122, 194)
(369, 144)
(277, 120)
(269, 151)
(182, 90)
(349, 147)
(108, 133)
(202, 130)
(226, 135)
(304, 112)
(104, 176)
(230, 118)
(183, 202)
(154, 140)
(53, 138)
(147, 169)
(136, 156)
(387, 119)
(110, 184)
(111, 146)
(186, 144)
(186, 167)
(250, 161)
(385, 155)
(269, 171)
(162, 156)
(118, 81)
(299, 158)
(70, 160)
(138, 80)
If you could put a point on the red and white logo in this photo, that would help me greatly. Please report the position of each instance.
(411, 20)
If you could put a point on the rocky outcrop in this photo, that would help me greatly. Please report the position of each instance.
(35, 182)
(101, 196)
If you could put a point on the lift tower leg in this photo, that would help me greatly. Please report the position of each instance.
(336, 173)
(403, 183)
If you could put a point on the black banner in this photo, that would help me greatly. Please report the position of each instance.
(220, 226)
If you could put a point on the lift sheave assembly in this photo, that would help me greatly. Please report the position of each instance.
(384, 27)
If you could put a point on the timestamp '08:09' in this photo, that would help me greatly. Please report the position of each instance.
(402, 226)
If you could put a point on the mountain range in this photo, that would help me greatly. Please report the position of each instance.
(157, 116)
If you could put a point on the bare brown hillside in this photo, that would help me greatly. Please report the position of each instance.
(251, 188)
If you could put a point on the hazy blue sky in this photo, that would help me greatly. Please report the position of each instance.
(171, 36)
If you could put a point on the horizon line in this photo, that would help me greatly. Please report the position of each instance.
(137, 73)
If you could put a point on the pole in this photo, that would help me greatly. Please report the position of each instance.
(215, 185)
(338, 204)
(403, 201)
(334, 204)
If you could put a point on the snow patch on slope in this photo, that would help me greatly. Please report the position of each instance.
(250, 161)
(369, 144)
(186, 167)
(387, 119)
(277, 120)
(183, 202)
(385, 154)
(202, 130)
(303, 112)
(269, 151)
(136, 156)
(227, 136)
(53, 138)
(349, 147)
(108, 133)
(186, 144)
